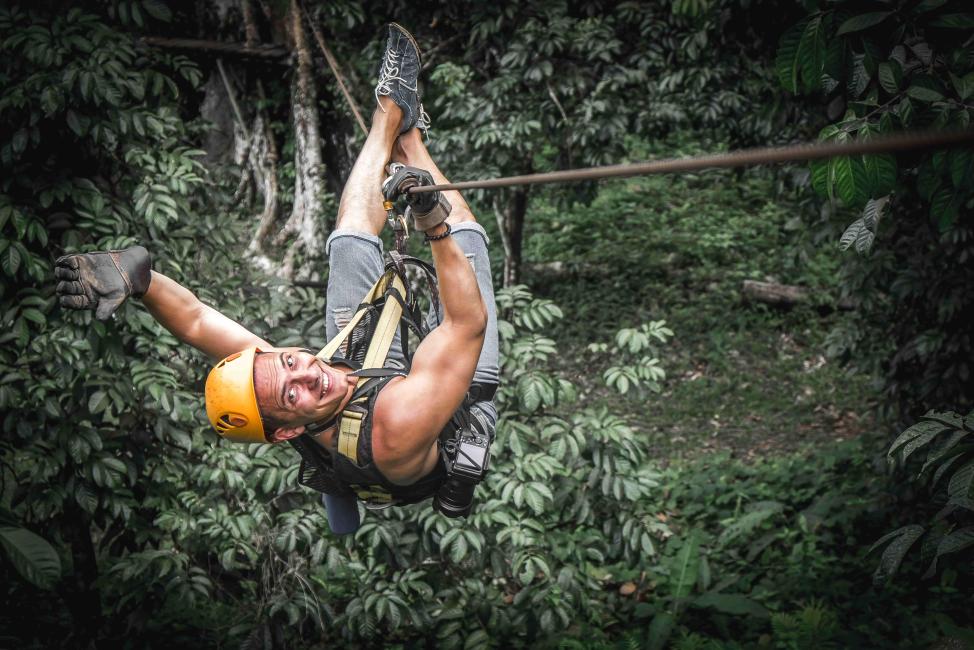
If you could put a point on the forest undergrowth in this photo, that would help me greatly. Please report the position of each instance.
(743, 378)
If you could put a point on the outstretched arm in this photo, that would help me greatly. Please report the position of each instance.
(103, 280)
(182, 313)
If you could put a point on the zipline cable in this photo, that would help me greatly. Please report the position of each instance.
(915, 141)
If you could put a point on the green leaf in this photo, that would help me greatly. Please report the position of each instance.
(962, 482)
(953, 21)
(686, 565)
(850, 180)
(73, 123)
(961, 162)
(660, 630)
(97, 402)
(880, 173)
(821, 176)
(956, 541)
(929, 5)
(786, 60)
(943, 208)
(10, 260)
(862, 21)
(851, 234)
(748, 522)
(913, 438)
(925, 88)
(864, 241)
(902, 539)
(732, 604)
(33, 557)
(34, 315)
(963, 85)
(890, 76)
(158, 10)
(811, 52)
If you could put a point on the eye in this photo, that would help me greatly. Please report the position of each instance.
(291, 395)
(290, 361)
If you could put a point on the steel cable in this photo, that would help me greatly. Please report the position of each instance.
(916, 141)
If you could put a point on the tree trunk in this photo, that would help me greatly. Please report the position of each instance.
(510, 208)
(305, 221)
(264, 165)
(79, 591)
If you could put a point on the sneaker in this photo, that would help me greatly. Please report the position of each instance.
(399, 75)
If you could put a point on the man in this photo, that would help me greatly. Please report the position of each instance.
(261, 393)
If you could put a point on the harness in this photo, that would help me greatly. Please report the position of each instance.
(363, 345)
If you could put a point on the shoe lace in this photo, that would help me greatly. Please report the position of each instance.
(423, 123)
(389, 73)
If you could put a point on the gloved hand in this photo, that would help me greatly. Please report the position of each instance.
(427, 209)
(103, 280)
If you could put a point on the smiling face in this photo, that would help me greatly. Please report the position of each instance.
(295, 388)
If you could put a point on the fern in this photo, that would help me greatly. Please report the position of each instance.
(812, 628)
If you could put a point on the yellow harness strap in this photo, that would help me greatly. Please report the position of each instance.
(350, 423)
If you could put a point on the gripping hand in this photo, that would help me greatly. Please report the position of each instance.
(102, 281)
(427, 209)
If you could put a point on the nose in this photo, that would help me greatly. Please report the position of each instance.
(309, 376)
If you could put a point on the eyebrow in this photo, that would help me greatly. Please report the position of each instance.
(284, 383)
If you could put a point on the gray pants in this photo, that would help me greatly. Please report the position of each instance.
(355, 262)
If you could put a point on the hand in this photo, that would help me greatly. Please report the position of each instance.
(427, 209)
(103, 280)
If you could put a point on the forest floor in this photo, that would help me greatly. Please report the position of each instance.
(742, 378)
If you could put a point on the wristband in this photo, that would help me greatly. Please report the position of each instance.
(443, 235)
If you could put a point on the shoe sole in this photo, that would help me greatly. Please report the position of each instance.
(419, 52)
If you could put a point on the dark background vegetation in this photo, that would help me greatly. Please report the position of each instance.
(675, 467)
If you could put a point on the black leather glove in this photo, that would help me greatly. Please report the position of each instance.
(427, 209)
(102, 281)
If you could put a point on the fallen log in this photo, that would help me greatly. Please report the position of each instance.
(784, 295)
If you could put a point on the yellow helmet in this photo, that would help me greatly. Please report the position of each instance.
(231, 400)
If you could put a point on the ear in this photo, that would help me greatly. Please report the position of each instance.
(286, 433)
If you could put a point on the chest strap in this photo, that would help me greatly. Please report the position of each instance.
(390, 289)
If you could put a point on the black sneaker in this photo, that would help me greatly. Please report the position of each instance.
(399, 75)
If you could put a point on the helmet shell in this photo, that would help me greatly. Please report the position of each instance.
(231, 400)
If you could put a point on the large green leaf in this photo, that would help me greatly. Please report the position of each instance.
(962, 482)
(961, 163)
(749, 521)
(954, 542)
(851, 234)
(862, 21)
(902, 539)
(811, 52)
(821, 172)
(943, 208)
(963, 85)
(786, 61)
(880, 173)
(890, 76)
(685, 566)
(954, 21)
(850, 180)
(33, 557)
(732, 604)
(660, 630)
(926, 88)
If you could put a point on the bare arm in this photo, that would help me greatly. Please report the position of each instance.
(419, 406)
(181, 312)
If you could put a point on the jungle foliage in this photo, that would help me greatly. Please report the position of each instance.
(124, 521)
(881, 67)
